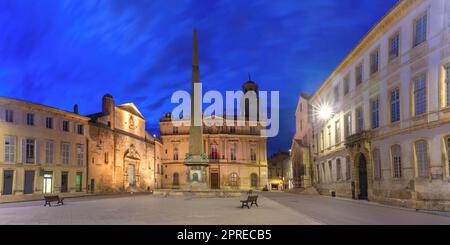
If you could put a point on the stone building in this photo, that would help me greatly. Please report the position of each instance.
(300, 151)
(43, 150)
(122, 154)
(280, 171)
(237, 155)
(382, 124)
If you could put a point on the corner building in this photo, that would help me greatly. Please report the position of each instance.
(388, 139)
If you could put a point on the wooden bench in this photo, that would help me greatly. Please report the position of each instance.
(49, 199)
(252, 199)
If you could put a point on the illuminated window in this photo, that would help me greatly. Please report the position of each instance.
(420, 30)
(348, 124)
(420, 95)
(396, 161)
(377, 164)
(421, 150)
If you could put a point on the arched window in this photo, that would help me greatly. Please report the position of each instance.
(176, 178)
(421, 150)
(175, 153)
(254, 180)
(338, 169)
(396, 161)
(348, 162)
(234, 179)
(376, 164)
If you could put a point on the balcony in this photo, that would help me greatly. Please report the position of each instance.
(357, 138)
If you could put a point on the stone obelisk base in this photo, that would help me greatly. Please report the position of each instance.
(196, 174)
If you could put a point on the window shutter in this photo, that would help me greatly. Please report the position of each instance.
(38, 152)
(24, 151)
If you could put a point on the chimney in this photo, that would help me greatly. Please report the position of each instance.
(75, 109)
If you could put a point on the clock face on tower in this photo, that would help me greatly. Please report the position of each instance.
(131, 122)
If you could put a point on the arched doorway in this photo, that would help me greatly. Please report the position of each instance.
(176, 179)
(362, 170)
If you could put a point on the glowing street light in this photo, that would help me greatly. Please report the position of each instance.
(325, 112)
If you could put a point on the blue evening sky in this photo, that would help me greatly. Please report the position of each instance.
(59, 53)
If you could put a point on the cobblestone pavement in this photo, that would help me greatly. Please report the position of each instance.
(336, 211)
(149, 209)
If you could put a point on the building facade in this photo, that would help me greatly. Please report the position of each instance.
(387, 138)
(122, 154)
(43, 150)
(281, 175)
(236, 155)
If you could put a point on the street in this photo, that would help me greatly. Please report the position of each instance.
(275, 208)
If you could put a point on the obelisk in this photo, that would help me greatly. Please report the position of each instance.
(196, 161)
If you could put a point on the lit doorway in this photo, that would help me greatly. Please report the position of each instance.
(48, 182)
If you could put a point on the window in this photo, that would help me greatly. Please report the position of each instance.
(78, 182)
(254, 180)
(175, 154)
(233, 153)
(301, 125)
(336, 93)
(49, 122)
(9, 116)
(10, 149)
(348, 162)
(375, 106)
(323, 172)
(359, 120)
(359, 74)
(348, 124)
(322, 139)
(420, 30)
(106, 157)
(80, 129)
(252, 130)
(65, 126)
(214, 152)
(374, 62)
(377, 164)
(396, 161)
(234, 179)
(65, 147)
(29, 151)
(337, 128)
(30, 119)
(301, 107)
(448, 154)
(232, 130)
(49, 152)
(175, 130)
(346, 84)
(447, 85)
(420, 95)
(330, 168)
(80, 155)
(394, 46)
(395, 105)
(421, 150)
(48, 182)
(253, 154)
(329, 135)
(338, 169)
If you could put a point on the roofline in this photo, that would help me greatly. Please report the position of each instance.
(49, 108)
(363, 41)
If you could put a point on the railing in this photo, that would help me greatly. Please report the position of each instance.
(357, 138)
